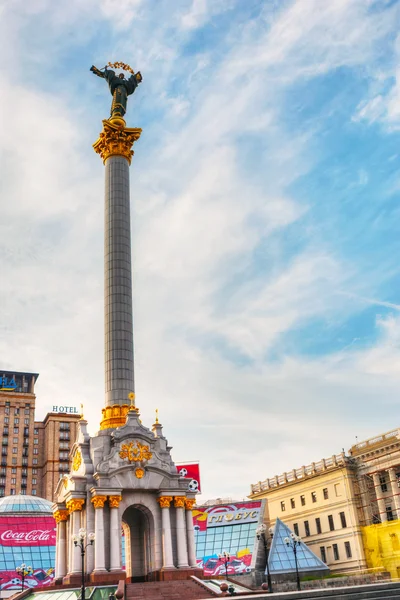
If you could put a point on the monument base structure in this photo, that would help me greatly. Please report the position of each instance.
(124, 486)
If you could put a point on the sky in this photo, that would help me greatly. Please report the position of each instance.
(265, 206)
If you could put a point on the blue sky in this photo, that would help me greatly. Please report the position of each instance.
(265, 195)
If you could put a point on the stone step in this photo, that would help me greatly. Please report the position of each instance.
(167, 590)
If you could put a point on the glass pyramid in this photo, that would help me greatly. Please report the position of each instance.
(281, 557)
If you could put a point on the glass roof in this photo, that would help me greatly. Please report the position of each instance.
(281, 557)
(92, 593)
(25, 504)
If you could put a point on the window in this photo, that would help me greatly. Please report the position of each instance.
(282, 503)
(292, 503)
(13, 481)
(23, 492)
(296, 528)
(36, 431)
(303, 500)
(36, 451)
(12, 491)
(16, 411)
(382, 481)
(16, 430)
(389, 513)
(14, 461)
(318, 525)
(34, 480)
(34, 471)
(36, 441)
(331, 523)
(6, 420)
(347, 547)
(14, 470)
(343, 519)
(25, 462)
(313, 496)
(15, 441)
(15, 450)
(7, 410)
(26, 421)
(16, 421)
(307, 528)
(35, 461)
(323, 554)
(335, 551)
(27, 411)
(33, 492)
(325, 492)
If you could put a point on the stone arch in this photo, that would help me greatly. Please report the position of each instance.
(140, 547)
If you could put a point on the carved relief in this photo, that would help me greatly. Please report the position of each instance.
(135, 452)
(77, 460)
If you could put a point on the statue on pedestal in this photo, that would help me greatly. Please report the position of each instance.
(120, 87)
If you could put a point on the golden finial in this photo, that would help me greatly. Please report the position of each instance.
(131, 397)
(81, 410)
(156, 416)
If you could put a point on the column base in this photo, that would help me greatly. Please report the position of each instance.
(72, 578)
(173, 574)
(105, 577)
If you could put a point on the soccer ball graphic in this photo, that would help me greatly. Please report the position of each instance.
(194, 485)
(183, 472)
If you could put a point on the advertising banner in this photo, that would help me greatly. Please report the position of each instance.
(191, 471)
(29, 531)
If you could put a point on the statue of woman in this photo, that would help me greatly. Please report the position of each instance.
(120, 88)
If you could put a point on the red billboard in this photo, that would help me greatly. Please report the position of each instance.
(27, 531)
(191, 471)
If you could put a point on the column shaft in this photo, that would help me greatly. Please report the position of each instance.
(190, 539)
(119, 375)
(381, 501)
(181, 538)
(61, 549)
(115, 551)
(76, 552)
(395, 491)
(99, 554)
(168, 559)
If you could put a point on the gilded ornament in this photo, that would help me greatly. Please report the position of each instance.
(98, 501)
(179, 501)
(77, 460)
(135, 452)
(114, 416)
(75, 504)
(189, 503)
(139, 472)
(116, 140)
(164, 501)
(114, 501)
(61, 515)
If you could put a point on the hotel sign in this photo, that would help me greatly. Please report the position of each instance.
(8, 384)
(233, 517)
(66, 409)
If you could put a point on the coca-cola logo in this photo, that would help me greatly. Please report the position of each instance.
(36, 535)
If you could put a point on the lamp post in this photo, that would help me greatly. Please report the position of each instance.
(79, 542)
(225, 557)
(261, 533)
(293, 542)
(23, 570)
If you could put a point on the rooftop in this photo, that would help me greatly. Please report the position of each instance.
(25, 504)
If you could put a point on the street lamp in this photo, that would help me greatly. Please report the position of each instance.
(23, 570)
(225, 557)
(261, 533)
(79, 541)
(293, 542)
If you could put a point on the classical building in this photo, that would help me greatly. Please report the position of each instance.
(34, 454)
(347, 507)
(122, 478)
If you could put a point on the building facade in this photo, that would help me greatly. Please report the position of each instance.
(34, 454)
(347, 507)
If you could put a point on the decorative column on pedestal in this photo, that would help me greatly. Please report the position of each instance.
(168, 558)
(61, 517)
(74, 506)
(189, 503)
(395, 490)
(99, 547)
(115, 533)
(179, 503)
(115, 148)
(381, 501)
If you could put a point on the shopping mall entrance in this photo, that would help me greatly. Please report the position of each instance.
(138, 527)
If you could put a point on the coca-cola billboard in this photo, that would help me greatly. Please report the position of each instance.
(27, 531)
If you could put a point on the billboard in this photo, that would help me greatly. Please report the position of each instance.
(230, 528)
(29, 540)
(191, 471)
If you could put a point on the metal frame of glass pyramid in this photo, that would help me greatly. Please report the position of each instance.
(281, 557)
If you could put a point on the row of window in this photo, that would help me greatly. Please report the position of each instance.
(335, 549)
(16, 410)
(331, 523)
(13, 492)
(303, 499)
(4, 451)
(14, 461)
(14, 481)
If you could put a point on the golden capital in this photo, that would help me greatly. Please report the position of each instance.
(116, 139)
(179, 501)
(61, 515)
(114, 501)
(75, 504)
(98, 501)
(164, 501)
(189, 503)
(77, 460)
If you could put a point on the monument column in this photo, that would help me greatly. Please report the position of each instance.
(115, 533)
(99, 546)
(189, 502)
(61, 517)
(168, 557)
(114, 147)
(179, 503)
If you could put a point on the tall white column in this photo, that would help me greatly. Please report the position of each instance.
(179, 503)
(190, 532)
(99, 542)
(380, 500)
(168, 557)
(61, 517)
(115, 534)
(395, 491)
(90, 529)
(76, 553)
